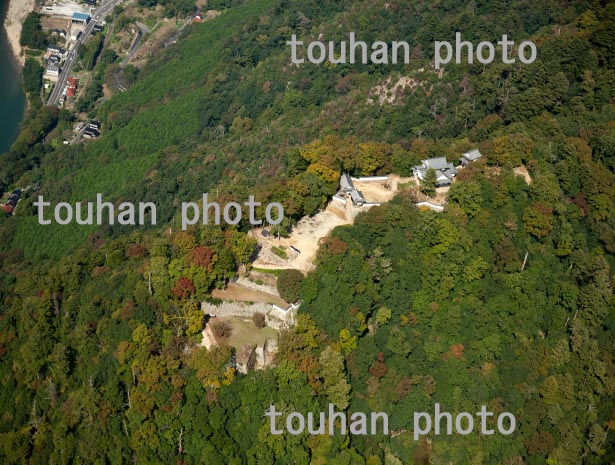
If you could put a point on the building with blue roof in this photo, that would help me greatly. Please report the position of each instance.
(80, 18)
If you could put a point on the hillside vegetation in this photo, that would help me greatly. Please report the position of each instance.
(505, 299)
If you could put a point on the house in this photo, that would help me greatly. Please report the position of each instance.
(445, 171)
(90, 2)
(11, 203)
(14, 197)
(347, 187)
(52, 69)
(357, 197)
(346, 184)
(55, 50)
(198, 17)
(91, 133)
(71, 87)
(80, 18)
(469, 157)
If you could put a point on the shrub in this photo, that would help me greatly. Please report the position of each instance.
(259, 320)
(289, 285)
(222, 328)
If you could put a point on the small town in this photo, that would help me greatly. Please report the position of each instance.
(77, 35)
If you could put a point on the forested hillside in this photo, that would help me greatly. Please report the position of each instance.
(505, 299)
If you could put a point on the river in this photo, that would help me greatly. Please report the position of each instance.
(12, 99)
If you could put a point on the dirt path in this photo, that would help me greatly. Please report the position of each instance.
(208, 338)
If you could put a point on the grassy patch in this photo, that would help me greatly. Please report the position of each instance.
(245, 332)
(279, 251)
(267, 271)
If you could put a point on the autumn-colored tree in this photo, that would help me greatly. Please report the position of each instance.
(187, 318)
(136, 251)
(184, 240)
(202, 256)
(183, 288)
(331, 246)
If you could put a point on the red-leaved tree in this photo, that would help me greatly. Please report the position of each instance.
(183, 288)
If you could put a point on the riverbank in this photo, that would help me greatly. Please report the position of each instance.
(15, 16)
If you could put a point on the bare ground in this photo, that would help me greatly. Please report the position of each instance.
(55, 22)
(438, 199)
(266, 278)
(208, 338)
(375, 191)
(306, 235)
(522, 171)
(388, 91)
(15, 16)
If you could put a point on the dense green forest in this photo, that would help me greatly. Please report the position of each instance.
(505, 299)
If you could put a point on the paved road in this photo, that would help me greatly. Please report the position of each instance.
(174, 37)
(142, 29)
(79, 135)
(99, 14)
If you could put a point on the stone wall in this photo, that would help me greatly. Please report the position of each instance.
(245, 282)
(240, 309)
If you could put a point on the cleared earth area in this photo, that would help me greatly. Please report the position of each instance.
(308, 232)
(305, 238)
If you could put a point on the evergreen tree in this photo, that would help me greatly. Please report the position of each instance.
(428, 185)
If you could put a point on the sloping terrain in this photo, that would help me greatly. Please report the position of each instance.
(504, 299)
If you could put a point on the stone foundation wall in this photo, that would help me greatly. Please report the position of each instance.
(235, 309)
